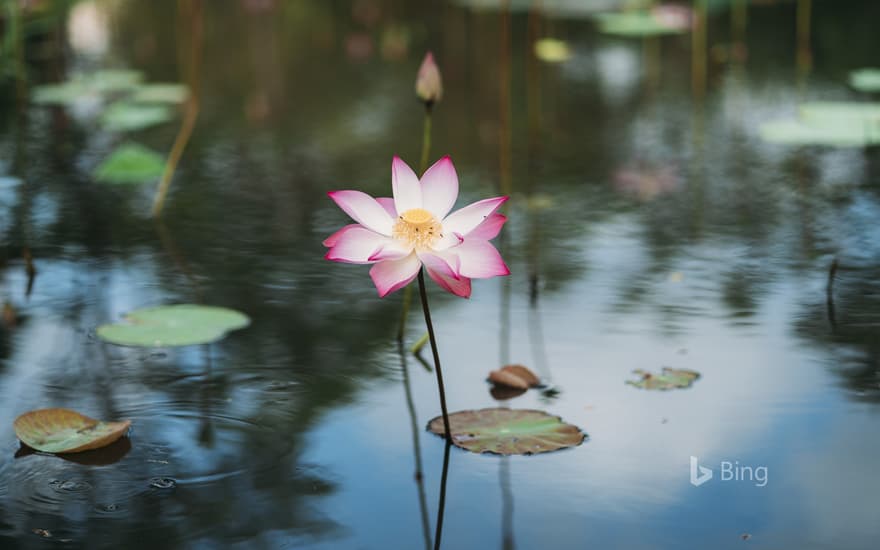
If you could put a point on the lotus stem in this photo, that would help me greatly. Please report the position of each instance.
(433, 340)
(191, 109)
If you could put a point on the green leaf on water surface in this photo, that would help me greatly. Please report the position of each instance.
(66, 93)
(508, 431)
(637, 24)
(552, 50)
(130, 163)
(173, 325)
(160, 93)
(125, 116)
(865, 80)
(668, 379)
(112, 80)
(837, 124)
(66, 431)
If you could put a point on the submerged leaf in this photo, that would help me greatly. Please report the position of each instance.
(509, 431)
(125, 116)
(174, 325)
(66, 431)
(130, 163)
(669, 379)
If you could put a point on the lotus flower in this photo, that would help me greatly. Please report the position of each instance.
(400, 235)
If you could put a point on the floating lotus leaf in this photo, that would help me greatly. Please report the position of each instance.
(552, 50)
(865, 80)
(126, 116)
(509, 431)
(66, 93)
(131, 163)
(667, 380)
(66, 431)
(514, 376)
(838, 124)
(160, 93)
(637, 24)
(174, 325)
(112, 80)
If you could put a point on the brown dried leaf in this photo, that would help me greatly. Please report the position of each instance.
(507, 378)
(523, 374)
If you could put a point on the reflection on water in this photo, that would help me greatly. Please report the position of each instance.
(714, 256)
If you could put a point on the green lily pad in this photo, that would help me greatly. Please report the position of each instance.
(66, 93)
(837, 124)
(160, 93)
(125, 116)
(667, 380)
(865, 80)
(552, 50)
(636, 24)
(174, 325)
(66, 431)
(508, 431)
(130, 163)
(112, 80)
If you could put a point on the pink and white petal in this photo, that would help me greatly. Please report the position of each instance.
(490, 228)
(448, 240)
(440, 262)
(392, 250)
(405, 184)
(364, 209)
(332, 239)
(440, 188)
(392, 275)
(460, 287)
(480, 260)
(465, 220)
(388, 204)
(357, 246)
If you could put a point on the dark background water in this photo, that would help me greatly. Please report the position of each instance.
(296, 431)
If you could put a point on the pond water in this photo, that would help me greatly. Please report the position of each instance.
(650, 226)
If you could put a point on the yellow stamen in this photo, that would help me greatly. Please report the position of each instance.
(418, 227)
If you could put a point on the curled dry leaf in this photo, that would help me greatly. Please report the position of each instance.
(507, 379)
(66, 431)
(515, 377)
(523, 373)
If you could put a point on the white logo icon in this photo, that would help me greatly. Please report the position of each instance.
(704, 475)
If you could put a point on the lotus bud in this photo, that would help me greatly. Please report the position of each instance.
(429, 85)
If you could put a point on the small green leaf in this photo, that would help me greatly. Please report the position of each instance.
(66, 93)
(552, 50)
(865, 80)
(831, 123)
(667, 380)
(112, 80)
(129, 164)
(173, 325)
(637, 24)
(508, 431)
(125, 116)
